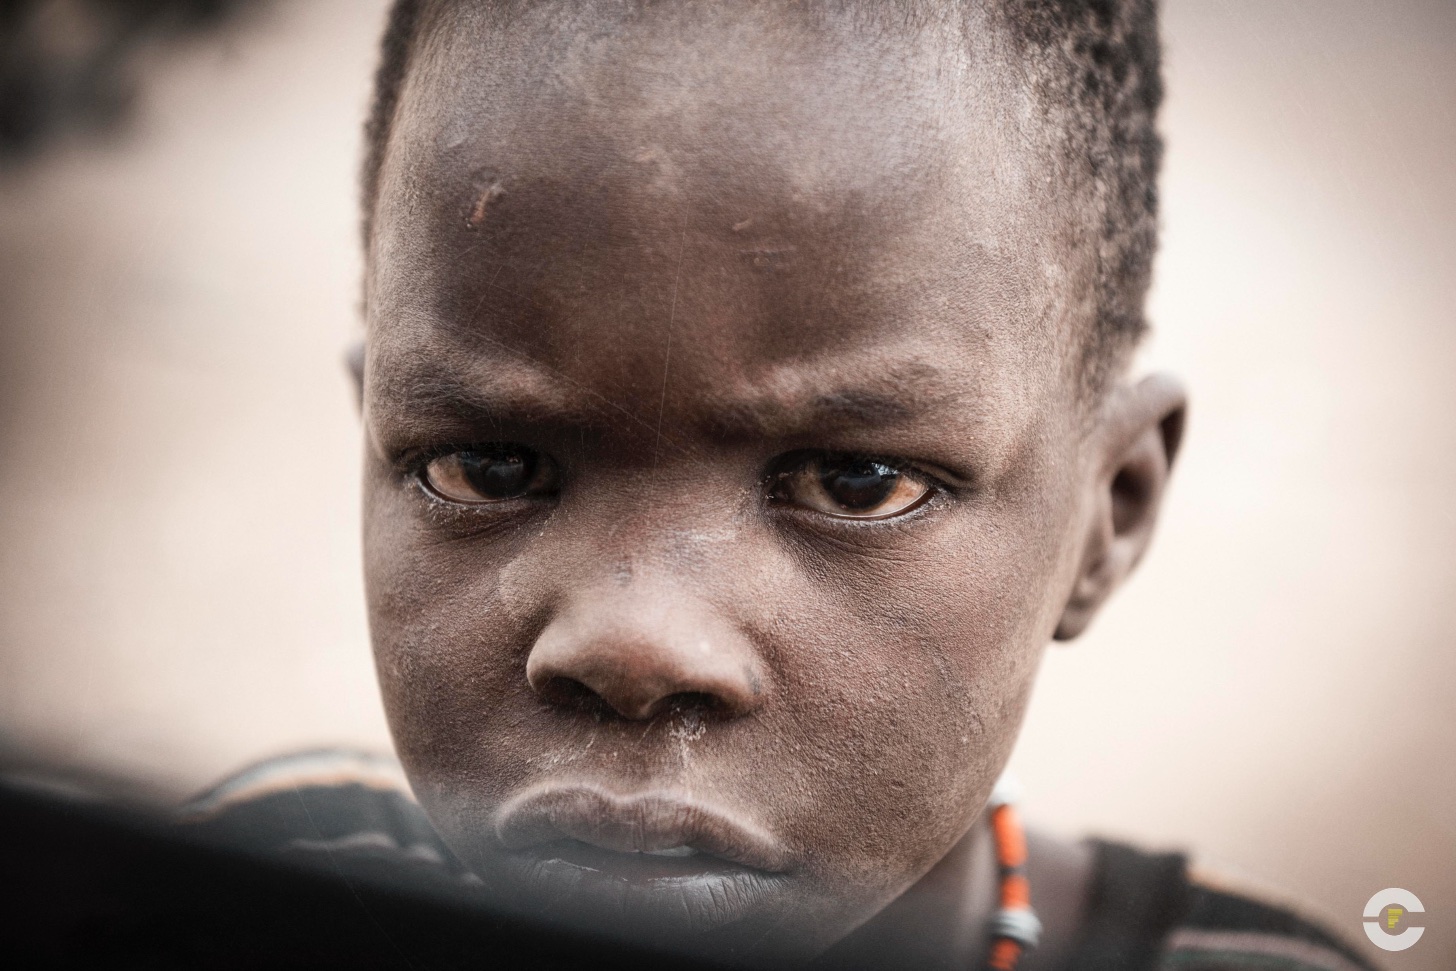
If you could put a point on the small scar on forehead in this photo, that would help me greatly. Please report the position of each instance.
(482, 204)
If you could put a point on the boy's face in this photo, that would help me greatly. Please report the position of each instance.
(727, 471)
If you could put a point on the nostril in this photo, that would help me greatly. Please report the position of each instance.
(565, 692)
(571, 693)
(696, 702)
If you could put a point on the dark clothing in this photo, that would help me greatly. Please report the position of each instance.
(353, 813)
(1146, 912)
(95, 884)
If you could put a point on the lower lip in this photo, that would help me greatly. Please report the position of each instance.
(685, 893)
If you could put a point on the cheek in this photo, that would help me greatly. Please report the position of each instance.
(911, 679)
(903, 732)
(449, 646)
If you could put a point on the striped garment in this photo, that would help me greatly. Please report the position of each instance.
(352, 812)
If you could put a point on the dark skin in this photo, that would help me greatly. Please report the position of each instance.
(730, 467)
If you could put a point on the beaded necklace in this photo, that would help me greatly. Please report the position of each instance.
(1014, 926)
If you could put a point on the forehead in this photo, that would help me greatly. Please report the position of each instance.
(768, 189)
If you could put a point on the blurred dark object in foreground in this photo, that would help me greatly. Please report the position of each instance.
(90, 886)
(73, 65)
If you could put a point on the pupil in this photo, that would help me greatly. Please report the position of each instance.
(498, 475)
(861, 484)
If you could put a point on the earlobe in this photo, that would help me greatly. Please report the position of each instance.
(354, 361)
(1142, 429)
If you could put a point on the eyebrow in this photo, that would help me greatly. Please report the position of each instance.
(772, 417)
(421, 399)
(893, 397)
(425, 400)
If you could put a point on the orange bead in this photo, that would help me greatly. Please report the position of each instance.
(1016, 893)
(1010, 840)
(1004, 954)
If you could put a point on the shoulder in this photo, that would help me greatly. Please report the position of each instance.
(345, 810)
(1227, 927)
(1149, 911)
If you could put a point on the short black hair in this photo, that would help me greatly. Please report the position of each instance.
(394, 56)
(1095, 67)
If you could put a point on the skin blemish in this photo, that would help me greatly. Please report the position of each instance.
(657, 166)
(768, 257)
(482, 204)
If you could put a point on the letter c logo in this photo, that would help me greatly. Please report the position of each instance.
(1385, 899)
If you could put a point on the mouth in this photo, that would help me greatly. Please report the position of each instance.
(655, 856)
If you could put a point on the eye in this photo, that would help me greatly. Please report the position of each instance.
(489, 473)
(851, 486)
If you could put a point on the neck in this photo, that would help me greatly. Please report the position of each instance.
(940, 922)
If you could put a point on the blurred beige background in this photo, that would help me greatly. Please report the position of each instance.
(1277, 689)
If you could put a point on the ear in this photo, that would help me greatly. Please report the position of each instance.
(1141, 428)
(354, 361)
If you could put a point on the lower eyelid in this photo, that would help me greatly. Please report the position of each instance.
(460, 517)
(909, 509)
(827, 525)
(419, 481)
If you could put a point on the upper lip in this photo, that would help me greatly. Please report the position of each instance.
(627, 823)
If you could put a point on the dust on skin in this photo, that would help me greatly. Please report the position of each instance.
(730, 238)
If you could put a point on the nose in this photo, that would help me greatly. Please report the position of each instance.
(639, 656)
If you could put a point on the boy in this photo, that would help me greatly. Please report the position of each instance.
(746, 408)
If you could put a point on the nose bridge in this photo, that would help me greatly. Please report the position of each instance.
(665, 520)
(641, 646)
